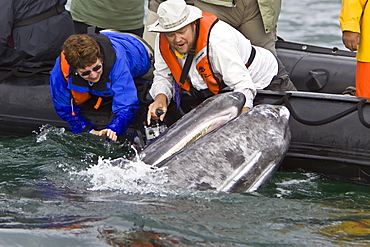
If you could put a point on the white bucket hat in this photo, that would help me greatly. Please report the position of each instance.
(174, 15)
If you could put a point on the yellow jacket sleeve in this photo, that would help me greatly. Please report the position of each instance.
(350, 15)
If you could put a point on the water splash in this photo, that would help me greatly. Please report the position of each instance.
(124, 175)
(300, 184)
(45, 130)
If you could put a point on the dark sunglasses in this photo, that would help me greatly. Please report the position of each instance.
(96, 68)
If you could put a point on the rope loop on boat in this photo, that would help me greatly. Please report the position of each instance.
(358, 107)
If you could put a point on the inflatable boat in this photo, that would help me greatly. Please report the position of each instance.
(25, 102)
(330, 131)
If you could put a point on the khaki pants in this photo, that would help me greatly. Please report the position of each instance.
(150, 36)
(245, 17)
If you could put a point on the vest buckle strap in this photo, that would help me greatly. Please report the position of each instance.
(251, 57)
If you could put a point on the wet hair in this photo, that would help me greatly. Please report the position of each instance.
(81, 51)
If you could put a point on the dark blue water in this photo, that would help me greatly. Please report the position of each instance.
(60, 189)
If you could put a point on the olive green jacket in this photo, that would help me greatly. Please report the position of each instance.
(109, 14)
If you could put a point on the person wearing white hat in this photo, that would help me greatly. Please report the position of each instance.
(197, 56)
(151, 17)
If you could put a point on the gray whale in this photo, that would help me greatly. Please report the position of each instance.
(241, 156)
(209, 115)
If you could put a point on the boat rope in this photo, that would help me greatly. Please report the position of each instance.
(360, 108)
(23, 73)
(357, 107)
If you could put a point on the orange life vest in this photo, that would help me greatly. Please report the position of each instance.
(78, 97)
(203, 67)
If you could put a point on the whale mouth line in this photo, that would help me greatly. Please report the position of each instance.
(211, 114)
(196, 133)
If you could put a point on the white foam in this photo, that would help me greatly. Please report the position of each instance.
(124, 175)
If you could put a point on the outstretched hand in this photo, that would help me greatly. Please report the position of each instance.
(107, 133)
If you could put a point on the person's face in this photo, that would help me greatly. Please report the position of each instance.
(93, 72)
(182, 40)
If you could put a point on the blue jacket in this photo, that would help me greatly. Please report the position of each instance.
(125, 58)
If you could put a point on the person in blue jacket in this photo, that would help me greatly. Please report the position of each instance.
(95, 69)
